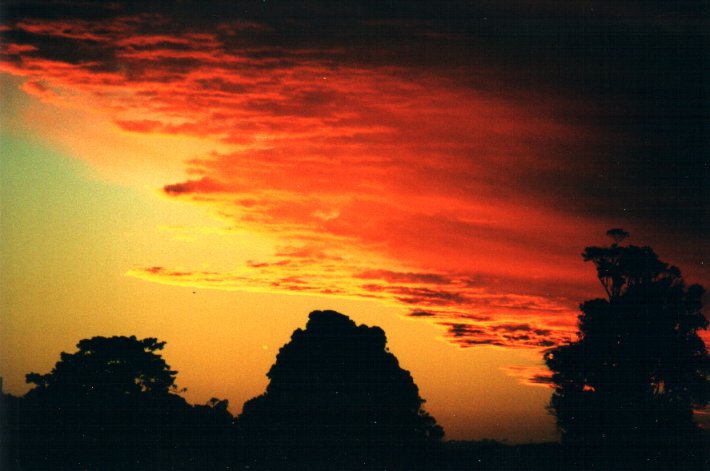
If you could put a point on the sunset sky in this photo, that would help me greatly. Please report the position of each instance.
(209, 172)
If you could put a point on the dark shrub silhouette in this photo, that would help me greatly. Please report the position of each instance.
(627, 388)
(113, 405)
(338, 399)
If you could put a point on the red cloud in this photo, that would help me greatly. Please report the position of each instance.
(352, 166)
(391, 276)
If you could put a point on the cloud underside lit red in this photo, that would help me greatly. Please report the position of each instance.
(392, 183)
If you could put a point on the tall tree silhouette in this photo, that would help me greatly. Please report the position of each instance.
(338, 399)
(632, 379)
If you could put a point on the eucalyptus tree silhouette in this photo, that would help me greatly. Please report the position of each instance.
(338, 399)
(629, 384)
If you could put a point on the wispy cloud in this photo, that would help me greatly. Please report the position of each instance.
(530, 375)
(470, 314)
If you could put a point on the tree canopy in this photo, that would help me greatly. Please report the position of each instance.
(337, 394)
(105, 368)
(638, 368)
(113, 404)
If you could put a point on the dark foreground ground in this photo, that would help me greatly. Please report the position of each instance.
(454, 456)
(492, 455)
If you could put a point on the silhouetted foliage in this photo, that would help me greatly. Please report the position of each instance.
(626, 389)
(113, 405)
(104, 369)
(338, 399)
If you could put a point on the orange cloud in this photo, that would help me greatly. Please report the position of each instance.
(530, 375)
(39, 90)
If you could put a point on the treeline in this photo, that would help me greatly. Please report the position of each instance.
(337, 400)
(147, 433)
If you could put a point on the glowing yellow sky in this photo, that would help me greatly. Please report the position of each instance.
(69, 237)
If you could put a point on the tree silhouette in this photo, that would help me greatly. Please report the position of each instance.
(337, 399)
(106, 369)
(629, 384)
(113, 405)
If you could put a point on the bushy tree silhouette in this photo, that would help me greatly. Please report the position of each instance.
(113, 405)
(629, 384)
(106, 369)
(338, 399)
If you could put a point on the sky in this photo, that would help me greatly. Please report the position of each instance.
(209, 172)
